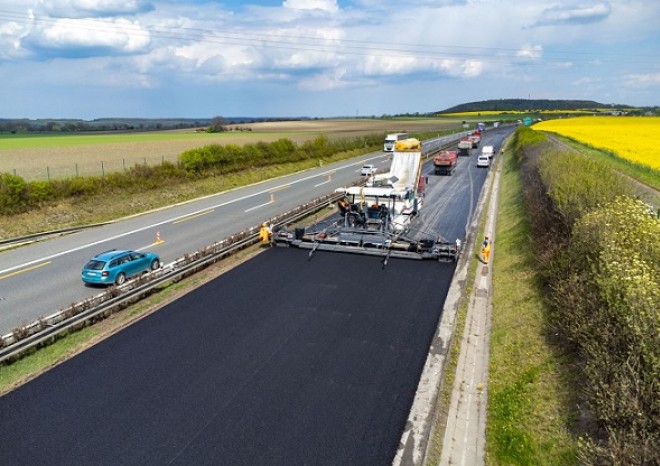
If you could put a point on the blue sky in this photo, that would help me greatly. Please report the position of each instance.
(318, 58)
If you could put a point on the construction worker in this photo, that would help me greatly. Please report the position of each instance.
(265, 234)
(485, 249)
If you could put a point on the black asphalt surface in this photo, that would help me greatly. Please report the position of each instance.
(281, 361)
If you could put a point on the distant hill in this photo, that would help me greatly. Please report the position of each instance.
(529, 105)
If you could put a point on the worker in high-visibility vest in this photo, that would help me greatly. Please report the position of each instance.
(485, 249)
(265, 234)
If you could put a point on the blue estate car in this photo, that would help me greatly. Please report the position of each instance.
(116, 266)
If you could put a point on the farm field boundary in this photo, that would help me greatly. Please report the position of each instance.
(37, 158)
(627, 137)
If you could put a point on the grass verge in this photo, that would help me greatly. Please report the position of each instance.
(531, 401)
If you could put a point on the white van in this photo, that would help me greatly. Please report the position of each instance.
(488, 151)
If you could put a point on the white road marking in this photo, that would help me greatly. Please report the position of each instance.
(170, 220)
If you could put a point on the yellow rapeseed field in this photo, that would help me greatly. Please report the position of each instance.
(633, 138)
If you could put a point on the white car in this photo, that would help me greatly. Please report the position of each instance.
(483, 161)
(367, 169)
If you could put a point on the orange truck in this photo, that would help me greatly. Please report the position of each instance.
(445, 162)
(476, 138)
(464, 146)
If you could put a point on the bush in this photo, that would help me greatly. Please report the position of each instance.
(576, 185)
(77, 186)
(14, 194)
(216, 159)
(40, 192)
(607, 307)
(600, 262)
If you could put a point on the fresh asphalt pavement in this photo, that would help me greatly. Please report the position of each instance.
(292, 369)
(279, 361)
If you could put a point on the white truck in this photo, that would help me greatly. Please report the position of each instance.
(391, 139)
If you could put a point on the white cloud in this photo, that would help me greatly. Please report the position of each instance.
(392, 65)
(644, 80)
(402, 66)
(10, 40)
(558, 65)
(93, 8)
(586, 82)
(578, 14)
(325, 81)
(81, 37)
(530, 52)
(329, 6)
(472, 68)
(349, 49)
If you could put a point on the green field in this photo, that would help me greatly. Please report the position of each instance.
(55, 156)
(37, 141)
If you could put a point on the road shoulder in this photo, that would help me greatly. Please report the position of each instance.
(415, 441)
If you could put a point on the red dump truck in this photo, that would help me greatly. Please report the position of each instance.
(445, 162)
(464, 146)
(476, 138)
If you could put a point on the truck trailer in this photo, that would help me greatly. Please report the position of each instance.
(476, 138)
(445, 162)
(464, 146)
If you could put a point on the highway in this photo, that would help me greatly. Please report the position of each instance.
(42, 278)
(279, 361)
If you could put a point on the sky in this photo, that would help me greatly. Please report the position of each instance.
(88, 59)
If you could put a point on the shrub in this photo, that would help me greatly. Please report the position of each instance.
(40, 191)
(607, 307)
(576, 184)
(78, 186)
(600, 263)
(14, 193)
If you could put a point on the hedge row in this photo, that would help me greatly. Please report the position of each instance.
(18, 195)
(217, 159)
(600, 261)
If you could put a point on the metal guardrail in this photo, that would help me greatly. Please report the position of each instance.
(47, 329)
